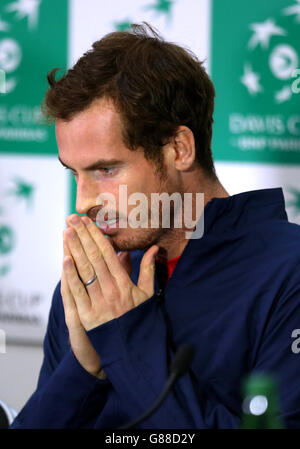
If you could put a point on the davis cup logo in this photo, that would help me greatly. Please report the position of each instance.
(272, 57)
(10, 49)
(10, 55)
(7, 243)
(283, 61)
(21, 192)
(10, 58)
(257, 113)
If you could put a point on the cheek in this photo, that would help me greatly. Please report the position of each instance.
(106, 194)
(120, 188)
(145, 181)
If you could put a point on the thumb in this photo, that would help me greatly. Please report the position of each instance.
(147, 270)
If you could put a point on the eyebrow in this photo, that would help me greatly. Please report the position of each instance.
(99, 164)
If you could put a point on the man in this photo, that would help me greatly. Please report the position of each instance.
(137, 111)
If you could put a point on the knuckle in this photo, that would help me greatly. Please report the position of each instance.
(79, 290)
(106, 252)
(112, 294)
(86, 269)
(125, 288)
(94, 256)
(123, 281)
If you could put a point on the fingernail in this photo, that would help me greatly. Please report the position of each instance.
(85, 220)
(75, 220)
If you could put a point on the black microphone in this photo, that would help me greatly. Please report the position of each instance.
(179, 366)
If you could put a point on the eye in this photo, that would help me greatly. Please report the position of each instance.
(107, 170)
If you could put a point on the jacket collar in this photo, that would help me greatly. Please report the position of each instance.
(225, 219)
(243, 209)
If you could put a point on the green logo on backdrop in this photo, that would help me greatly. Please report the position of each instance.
(33, 40)
(30, 46)
(6, 239)
(22, 191)
(161, 6)
(123, 25)
(255, 55)
(158, 8)
(7, 243)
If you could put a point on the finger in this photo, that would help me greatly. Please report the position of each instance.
(147, 270)
(79, 341)
(108, 253)
(71, 313)
(83, 265)
(125, 260)
(93, 252)
(66, 248)
(76, 287)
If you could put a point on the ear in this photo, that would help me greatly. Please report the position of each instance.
(184, 148)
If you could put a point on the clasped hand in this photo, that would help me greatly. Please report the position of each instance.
(88, 252)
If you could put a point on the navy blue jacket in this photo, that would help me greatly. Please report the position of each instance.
(234, 295)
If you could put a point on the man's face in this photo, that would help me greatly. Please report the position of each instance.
(94, 135)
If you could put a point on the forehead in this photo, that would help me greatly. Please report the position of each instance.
(93, 133)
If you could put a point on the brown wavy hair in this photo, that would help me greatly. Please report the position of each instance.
(155, 85)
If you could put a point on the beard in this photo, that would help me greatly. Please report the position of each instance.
(136, 239)
(131, 239)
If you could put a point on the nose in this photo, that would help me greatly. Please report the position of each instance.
(85, 195)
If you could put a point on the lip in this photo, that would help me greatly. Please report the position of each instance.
(106, 228)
